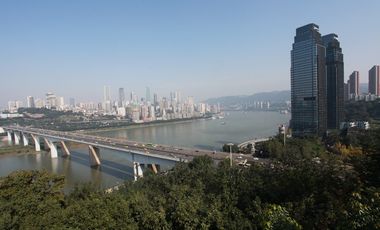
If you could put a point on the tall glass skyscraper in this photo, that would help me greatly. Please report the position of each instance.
(121, 97)
(334, 81)
(308, 82)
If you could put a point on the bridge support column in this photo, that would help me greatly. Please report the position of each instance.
(94, 153)
(17, 138)
(46, 144)
(155, 168)
(9, 137)
(25, 140)
(36, 140)
(137, 170)
(53, 148)
(66, 151)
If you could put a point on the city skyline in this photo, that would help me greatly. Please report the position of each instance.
(74, 49)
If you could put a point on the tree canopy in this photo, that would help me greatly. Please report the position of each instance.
(310, 188)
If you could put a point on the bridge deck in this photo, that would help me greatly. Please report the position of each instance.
(256, 140)
(125, 145)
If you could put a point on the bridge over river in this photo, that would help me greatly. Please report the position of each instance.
(22, 135)
(253, 142)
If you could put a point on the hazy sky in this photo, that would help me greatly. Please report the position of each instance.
(201, 48)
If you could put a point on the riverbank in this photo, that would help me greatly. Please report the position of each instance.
(145, 124)
(16, 149)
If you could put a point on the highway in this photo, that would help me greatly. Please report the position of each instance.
(147, 149)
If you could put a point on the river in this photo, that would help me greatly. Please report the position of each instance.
(236, 127)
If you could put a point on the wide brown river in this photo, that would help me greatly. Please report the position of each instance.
(116, 167)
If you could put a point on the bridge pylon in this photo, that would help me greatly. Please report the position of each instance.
(53, 148)
(9, 134)
(137, 170)
(37, 144)
(66, 151)
(25, 139)
(94, 153)
(17, 138)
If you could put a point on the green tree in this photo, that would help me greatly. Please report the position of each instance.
(30, 199)
(234, 148)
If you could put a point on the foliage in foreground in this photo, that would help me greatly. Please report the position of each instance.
(333, 192)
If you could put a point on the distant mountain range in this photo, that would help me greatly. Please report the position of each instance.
(273, 97)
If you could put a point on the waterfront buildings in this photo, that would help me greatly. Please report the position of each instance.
(334, 81)
(60, 103)
(51, 100)
(13, 106)
(374, 80)
(107, 93)
(107, 99)
(121, 97)
(135, 110)
(308, 82)
(72, 102)
(30, 102)
(147, 95)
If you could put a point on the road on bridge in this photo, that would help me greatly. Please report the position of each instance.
(146, 149)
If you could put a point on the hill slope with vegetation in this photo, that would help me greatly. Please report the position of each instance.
(300, 191)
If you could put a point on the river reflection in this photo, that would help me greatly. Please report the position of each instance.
(116, 167)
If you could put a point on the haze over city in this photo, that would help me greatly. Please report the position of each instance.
(203, 49)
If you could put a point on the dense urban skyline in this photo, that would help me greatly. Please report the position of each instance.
(203, 49)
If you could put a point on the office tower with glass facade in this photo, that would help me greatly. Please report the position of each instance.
(334, 81)
(354, 85)
(147, 95)
(308, 82)
(374, 80)
(121, 97)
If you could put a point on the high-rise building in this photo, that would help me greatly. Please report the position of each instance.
(51, 100)
(172, 98)
(12, 108)
(30, 102)
(308, 82)
(60, 102)
(107, 93)
(374, 80)
(121, 97)
(334, 81)
(133, 98)
(147, 95)
(39, 103)
(107, 105)
(353, 86)
(72, 102)
(155, 99)
(178, 96)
